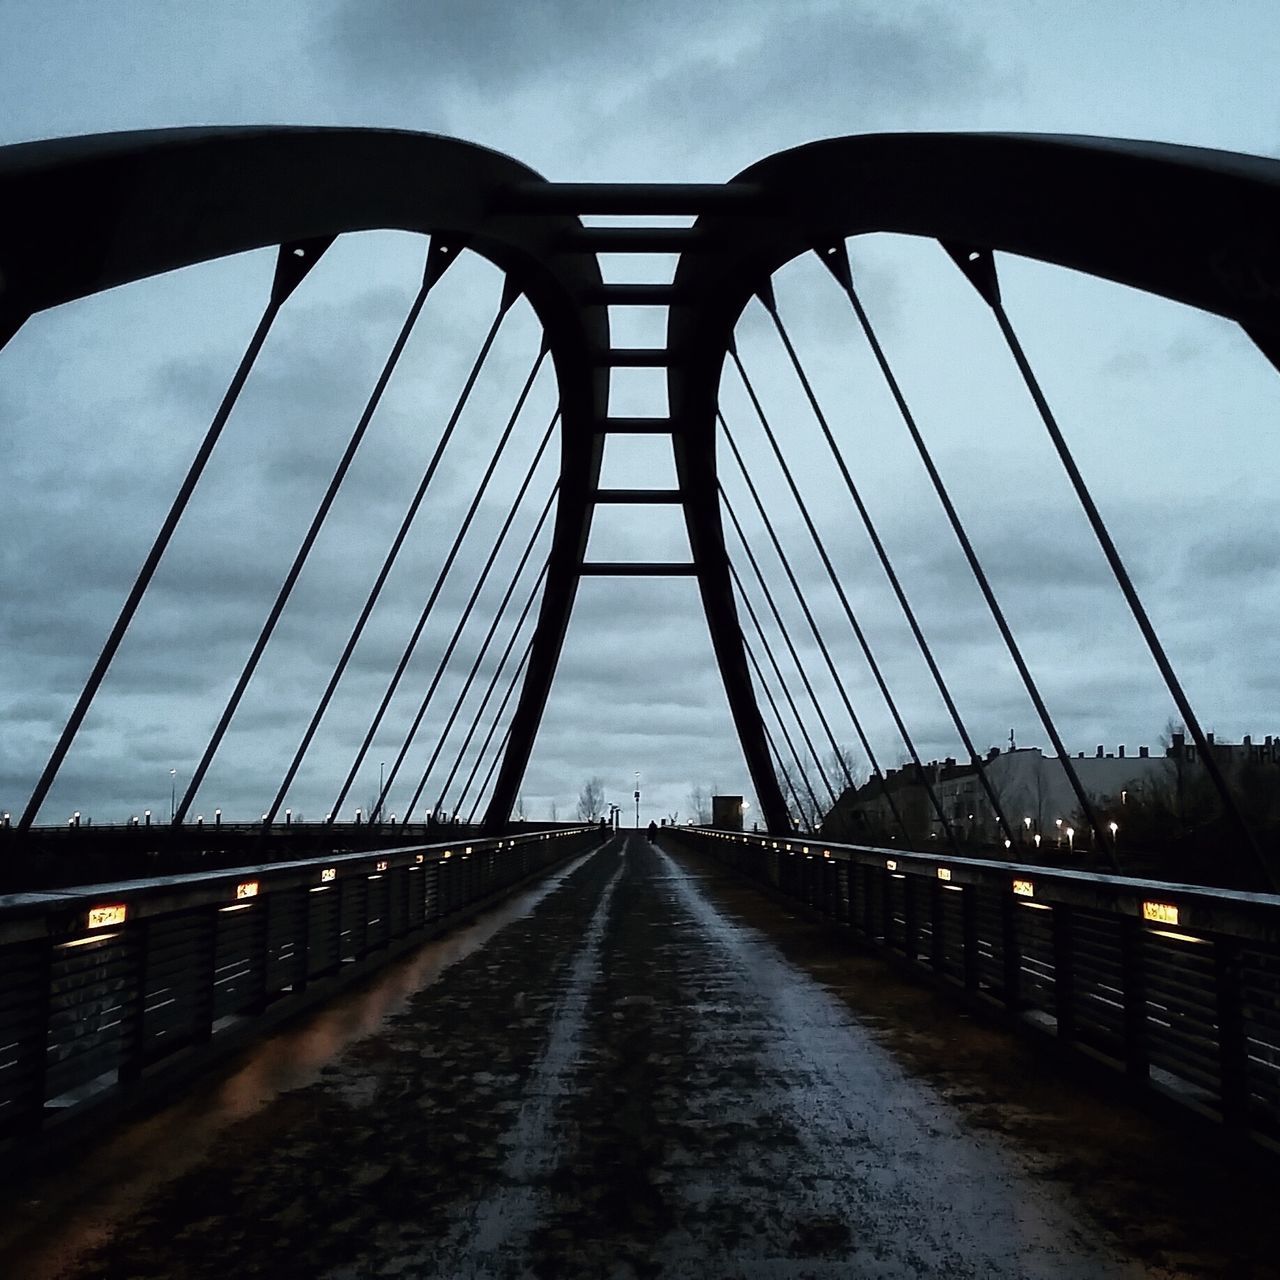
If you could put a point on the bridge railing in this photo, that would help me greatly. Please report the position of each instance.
(105, 987)
(1176, 986)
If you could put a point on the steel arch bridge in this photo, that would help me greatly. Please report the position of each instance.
(1199, 227)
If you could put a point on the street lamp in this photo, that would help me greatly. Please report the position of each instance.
(1113, 827)
(173, 793)
(1071, 839)
(637, 799)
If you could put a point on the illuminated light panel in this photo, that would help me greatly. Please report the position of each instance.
(898, 875)
(1160, 912)
(246, 889)
(239, 906)
(448, 853)
(104, 917)
(419, 858)
(944, 873)
(328, 875)
(826, 853)
(382, 865)
(890, 865)
(1036, 906)
(321, 888)
(1024, 888)
(1179, 937)
(375, 877)
(954, 888)
(83, 942)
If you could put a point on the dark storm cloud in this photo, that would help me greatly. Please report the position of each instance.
(826, 63)
(746, 67)
(495, 45)
(1250, 553)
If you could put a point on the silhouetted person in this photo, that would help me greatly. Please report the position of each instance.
(653, 832)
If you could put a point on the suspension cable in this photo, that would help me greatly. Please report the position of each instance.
(509, 295)
(780, 771)
(844, 274)
(499, 614)
(506, 737)
(877, 772)
(465, 616)
(488, 693)
(293, 262)
(859, 634)
(771, 305)
(476, 589)
(782, 684)
(777, 715)
(786, 636)
(979, 267)
(431, 273)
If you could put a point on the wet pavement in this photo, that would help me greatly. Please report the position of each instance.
(639, 1068)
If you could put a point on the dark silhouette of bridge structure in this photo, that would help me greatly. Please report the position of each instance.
(1160, 980)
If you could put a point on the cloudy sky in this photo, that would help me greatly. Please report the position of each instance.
(1172, 414)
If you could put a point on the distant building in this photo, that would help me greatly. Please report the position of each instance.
(1033, 790)
(726, 812)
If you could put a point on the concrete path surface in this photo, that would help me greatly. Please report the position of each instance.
(624, 1073)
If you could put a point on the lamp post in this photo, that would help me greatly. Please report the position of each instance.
(173, 793)
(637, 799)
(1071, 839)
(1113, 827)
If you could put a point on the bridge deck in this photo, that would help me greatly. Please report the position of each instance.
(622, 1074)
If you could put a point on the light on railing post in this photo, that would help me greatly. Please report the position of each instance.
(288, 817)
(147, 816)
(1071, 839)
(199, 819)
(1036, 838)
(217, 817)
(357, 817)
(5, 820)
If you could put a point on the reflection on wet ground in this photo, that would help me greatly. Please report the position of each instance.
(640, 1069)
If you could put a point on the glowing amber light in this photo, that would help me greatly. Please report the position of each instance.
(1024, 888)
(101, 917)
(891, 865)
(328, 875)
(247, 889)
(382, 865)
(944, 873)
(1160, 912)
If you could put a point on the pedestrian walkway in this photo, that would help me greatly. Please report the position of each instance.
(619, 1077)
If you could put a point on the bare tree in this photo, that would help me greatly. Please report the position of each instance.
(700, 805)
(799, 795)
(555, 812)
(590, 800)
